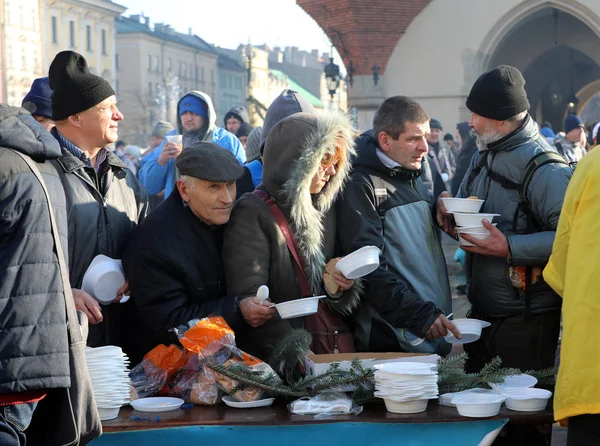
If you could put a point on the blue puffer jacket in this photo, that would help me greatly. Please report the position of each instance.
(34, 350)
(156, 178)
(491, 291)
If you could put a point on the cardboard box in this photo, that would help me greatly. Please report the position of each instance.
(318, 364)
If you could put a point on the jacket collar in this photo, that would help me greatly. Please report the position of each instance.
(526, 132)
(71, 163)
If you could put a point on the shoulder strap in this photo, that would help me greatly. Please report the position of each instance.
(289, 240)
(480, 165)
(381, 193)
(75, 334)
(539, 160)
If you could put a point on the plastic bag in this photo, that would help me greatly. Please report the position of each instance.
(195, 383)
(206, 336)
(212, 339)
(324, 404)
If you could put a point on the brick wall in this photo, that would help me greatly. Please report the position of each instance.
(364, 31)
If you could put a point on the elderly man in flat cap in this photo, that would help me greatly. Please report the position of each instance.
(104, 199)
(174, 260)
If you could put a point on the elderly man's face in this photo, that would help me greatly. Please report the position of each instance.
(100, 124)
(210, 201)
(485, 130)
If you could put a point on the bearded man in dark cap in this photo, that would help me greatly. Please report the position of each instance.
(174, 259)
(104, 199)
(523, 180)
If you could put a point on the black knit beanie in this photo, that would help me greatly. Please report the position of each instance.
(75, 89)
(499, 94)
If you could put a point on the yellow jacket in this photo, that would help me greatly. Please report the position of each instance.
(574, 273)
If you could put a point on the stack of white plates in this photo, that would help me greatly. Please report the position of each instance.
(110, 379)
(406, 387)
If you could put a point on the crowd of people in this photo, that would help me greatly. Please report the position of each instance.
(206, 215)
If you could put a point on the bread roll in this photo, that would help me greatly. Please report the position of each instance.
(328, 279)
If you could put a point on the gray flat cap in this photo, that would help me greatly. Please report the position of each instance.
(210, 162)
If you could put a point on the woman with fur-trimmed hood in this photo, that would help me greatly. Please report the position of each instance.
(306, 162)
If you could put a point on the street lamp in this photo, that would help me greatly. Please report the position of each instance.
(332, 76)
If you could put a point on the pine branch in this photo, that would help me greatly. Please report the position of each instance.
(452, 362)
(242, 378)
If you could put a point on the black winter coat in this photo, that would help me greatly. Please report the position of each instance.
(34, 352)
(103, 209)
(175, 273)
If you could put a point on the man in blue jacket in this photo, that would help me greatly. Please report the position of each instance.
(196, 122)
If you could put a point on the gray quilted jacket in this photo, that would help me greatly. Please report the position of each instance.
(34, 351)
(491, 291)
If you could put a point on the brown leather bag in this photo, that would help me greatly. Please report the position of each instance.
(329, 332)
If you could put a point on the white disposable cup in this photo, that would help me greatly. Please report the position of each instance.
(177, 139)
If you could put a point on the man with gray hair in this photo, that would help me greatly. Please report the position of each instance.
(178, 276)
(523, 180)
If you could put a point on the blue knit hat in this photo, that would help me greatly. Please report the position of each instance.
(193, 104)
(39, 99)
(572, 122)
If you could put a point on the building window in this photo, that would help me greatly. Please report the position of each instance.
(88, 34)
(212, 77)
(104, 42)
(169, 64)
(196, 74)
(117, 87)
(72, 33)
(156, 63)
(54, 30)
(150, 91)
(117, 62)
(202, 74)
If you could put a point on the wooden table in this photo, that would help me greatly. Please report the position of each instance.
(275, 425)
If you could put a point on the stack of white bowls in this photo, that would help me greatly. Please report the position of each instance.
(468, 218)
(110, 379)
(406, 387)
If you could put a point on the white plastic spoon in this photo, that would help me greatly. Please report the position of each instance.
(263, 292)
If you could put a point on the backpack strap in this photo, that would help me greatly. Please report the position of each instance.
(477, 169)
(379, 188)
(290, 241)
(539, 160)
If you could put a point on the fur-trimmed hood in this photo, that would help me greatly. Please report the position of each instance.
(292, 156)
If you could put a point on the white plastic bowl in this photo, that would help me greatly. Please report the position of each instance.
(478, 405)
(108, 413)
(359, 263)
(470, 329)
(521, 381)
(526, 400)
(298, 307)
(465, 205)
(472, 219)
(414, 406)
(464, 242)
(103, 278)
(177, 139)
(473, 229)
